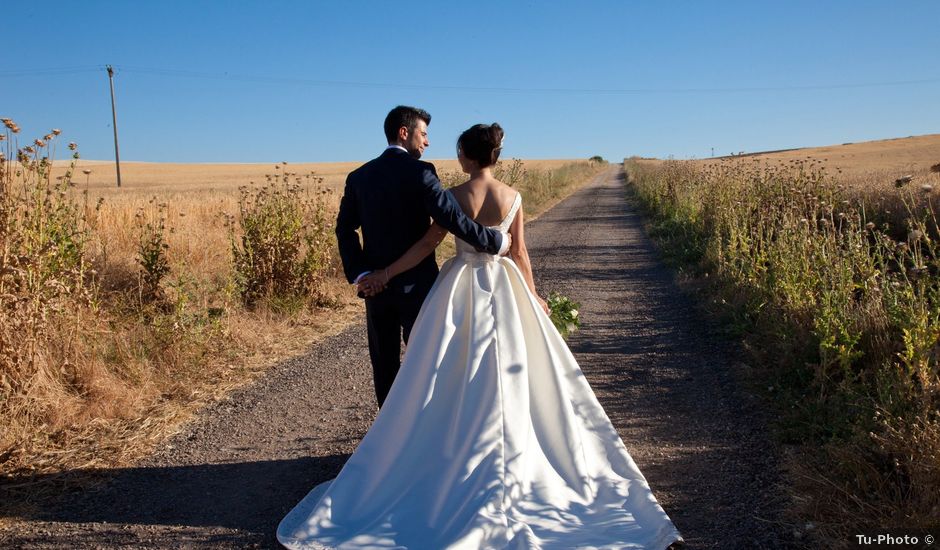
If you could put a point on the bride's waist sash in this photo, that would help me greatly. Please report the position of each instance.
(474, 257)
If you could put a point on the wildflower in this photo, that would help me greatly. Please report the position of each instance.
(39, 143)
(926, 188)
(56, 131)
(73, 145)
(574, 313)
(870, 225)
(914, 235)
(86, 171)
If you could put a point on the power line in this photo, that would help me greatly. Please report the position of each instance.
(258, 79)
(51, 71)
(499, 89)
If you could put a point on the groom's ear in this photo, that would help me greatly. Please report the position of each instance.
(403, 133)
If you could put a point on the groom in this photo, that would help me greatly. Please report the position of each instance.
(392, 199)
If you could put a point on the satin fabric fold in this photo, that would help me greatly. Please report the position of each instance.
(490, 437)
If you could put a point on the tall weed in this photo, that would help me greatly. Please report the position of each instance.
(281, 241)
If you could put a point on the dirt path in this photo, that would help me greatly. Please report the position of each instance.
(664, 380)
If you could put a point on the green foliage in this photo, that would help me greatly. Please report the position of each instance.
(152, 249)
(285, 243)
(564, 313)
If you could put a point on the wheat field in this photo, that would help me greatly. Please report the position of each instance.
(899, 155)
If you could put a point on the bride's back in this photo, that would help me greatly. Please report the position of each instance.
(485, 200)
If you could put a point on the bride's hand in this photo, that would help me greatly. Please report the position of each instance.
(544, 305)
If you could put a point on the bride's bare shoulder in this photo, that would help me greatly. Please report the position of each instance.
(460, 189)
(504, 192)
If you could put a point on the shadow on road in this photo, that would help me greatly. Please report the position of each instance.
(247, 496)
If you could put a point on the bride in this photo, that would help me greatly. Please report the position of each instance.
(490, 436)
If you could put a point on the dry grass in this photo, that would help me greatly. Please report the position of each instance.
(829, 269)
(119, 372)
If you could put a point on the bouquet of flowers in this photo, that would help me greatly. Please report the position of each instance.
(564, 313)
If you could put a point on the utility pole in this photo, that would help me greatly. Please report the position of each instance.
(117, 156)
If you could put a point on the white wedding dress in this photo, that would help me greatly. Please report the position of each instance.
(490, 438)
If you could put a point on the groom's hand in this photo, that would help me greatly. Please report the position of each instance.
(371, 284)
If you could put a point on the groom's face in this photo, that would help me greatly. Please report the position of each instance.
(417, 140)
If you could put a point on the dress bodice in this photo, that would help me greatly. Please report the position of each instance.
(467, 251)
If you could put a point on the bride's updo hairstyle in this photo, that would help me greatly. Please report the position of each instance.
(482, 143)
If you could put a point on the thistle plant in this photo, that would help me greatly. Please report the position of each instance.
(510, 172)
(43, 268)
(152, 249)
(281, 240)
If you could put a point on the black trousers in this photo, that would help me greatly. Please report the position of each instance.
(389, 318)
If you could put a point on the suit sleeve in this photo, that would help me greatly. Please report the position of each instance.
(347, 222)
(447, 213)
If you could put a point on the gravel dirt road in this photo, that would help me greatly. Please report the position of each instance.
(662, 374)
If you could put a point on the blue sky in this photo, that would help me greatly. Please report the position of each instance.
(265, 81)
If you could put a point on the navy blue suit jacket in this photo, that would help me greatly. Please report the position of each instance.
(393, 199)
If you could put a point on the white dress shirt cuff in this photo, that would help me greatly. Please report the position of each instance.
(504, 245)
(361, 275)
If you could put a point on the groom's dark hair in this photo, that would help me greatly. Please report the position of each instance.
(404, 116)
